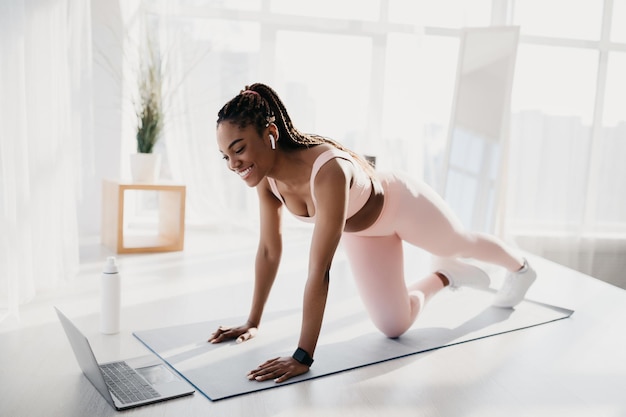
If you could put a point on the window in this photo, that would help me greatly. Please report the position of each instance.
(556, 81)
(574, 19)
(618, 29)
(324, 92)
(367, 10)
(378, 76)
(568, 119)
(611, 178)
(220, 4)
(441, 13)
(552, 110)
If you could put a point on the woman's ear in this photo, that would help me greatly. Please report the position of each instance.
(273, 130)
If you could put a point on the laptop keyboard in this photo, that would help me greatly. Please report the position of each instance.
(126, 383)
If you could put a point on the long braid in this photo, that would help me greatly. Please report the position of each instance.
(259, 105)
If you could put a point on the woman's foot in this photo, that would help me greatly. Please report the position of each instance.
(515, 286)
(461, 274)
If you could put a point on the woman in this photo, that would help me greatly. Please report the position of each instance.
(320, 181)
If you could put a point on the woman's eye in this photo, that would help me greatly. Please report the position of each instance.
(225, 158)
(240, 150)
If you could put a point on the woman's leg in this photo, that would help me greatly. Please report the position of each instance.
(414, 213)
(378, 267)
(425, 220)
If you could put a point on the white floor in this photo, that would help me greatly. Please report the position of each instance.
(574, 367)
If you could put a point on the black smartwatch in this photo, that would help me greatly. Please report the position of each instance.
(303, 357)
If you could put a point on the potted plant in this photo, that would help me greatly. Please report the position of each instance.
(145, 165)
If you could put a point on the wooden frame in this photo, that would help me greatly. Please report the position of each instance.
(171, 218)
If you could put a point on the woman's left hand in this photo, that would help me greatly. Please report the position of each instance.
(278, 369)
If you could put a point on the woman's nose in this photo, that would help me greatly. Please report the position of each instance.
(234, 163)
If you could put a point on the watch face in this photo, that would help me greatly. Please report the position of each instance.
(303, 357)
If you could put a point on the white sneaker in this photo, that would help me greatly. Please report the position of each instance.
(515, 286)
(461, 274)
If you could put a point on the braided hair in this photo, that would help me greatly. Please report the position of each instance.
(258, 105)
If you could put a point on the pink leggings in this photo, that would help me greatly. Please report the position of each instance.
(414, 213)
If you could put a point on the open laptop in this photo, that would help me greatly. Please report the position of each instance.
(125, 384)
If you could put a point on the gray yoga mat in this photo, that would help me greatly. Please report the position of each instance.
(348, 339)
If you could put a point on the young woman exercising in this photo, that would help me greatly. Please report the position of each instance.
(321, 182)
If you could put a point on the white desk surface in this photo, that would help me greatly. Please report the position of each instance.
(574, 367)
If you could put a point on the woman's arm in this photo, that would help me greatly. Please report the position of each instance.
(266, 266)
(269, 250)
(332, 185)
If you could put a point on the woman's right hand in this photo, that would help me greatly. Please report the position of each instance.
(241, 333)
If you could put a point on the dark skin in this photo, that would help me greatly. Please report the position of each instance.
(250, 155)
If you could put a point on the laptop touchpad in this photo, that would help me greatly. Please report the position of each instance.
(157, 374)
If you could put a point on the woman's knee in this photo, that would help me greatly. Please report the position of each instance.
(394, 325)
(393, 331)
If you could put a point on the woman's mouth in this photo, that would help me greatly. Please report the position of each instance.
(244, 172)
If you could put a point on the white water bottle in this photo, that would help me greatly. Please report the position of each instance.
(110, 298)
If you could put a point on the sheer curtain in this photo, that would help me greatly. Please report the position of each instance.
(45, 127)
(206, 63)
(189, 123)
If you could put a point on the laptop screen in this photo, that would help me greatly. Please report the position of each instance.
(85, 357)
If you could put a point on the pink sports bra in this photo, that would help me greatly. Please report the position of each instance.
(359, 191)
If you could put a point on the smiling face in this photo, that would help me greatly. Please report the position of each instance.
(245, 152)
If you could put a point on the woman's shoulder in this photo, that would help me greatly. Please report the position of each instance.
(326, 152)
(334, 162)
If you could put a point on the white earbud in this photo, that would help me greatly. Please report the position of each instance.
(272, 142)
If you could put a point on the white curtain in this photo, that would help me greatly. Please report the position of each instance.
(194, 55)
(45, 128)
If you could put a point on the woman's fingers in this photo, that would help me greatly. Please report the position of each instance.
(218, 335)
(241, 334)
(247, 335)
(264, 371)
(278, 369)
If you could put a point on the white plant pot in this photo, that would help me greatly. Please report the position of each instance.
(145, 167)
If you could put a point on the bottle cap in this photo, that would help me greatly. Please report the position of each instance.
(111, 266)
